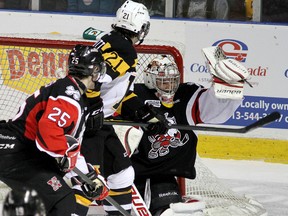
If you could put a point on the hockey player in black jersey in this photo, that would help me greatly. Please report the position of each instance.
(130, 28)
(160, 158)
(43, 140)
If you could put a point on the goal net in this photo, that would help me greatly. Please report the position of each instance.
(27, 63)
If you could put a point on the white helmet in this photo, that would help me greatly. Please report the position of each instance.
(163, 75)
(133, 17)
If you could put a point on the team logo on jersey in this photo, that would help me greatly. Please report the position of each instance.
(160, 143)
(70, 90)
(234, 49)
(55, 183)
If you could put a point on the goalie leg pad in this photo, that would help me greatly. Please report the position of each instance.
(185, 209)
(164, 193)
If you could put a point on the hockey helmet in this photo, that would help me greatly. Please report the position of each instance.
(134, 17)
(86, 61)
(23, 202)
(163, 75)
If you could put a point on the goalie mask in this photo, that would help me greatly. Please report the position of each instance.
(134, 17)
(23, 202)
(86, 61)
(163, 75)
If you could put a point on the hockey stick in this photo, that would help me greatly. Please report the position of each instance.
(261, 122)
(138, 204)
(108, 198)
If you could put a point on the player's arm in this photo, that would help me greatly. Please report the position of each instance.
(228, 75)
(218, 103)
(205, 107)
(133, 109)
(62, 116)
(95, 112)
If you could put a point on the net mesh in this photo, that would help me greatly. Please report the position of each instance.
(219, 199)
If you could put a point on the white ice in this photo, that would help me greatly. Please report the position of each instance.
(266, 182)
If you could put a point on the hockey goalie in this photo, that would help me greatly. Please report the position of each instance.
(159, 159)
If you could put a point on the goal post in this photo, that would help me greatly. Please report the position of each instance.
(27, 63)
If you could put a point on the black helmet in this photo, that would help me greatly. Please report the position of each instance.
(86, 61)
(23, 202)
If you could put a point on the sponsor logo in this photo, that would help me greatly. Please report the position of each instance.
(234, 49)
(196, 67)
(154, 103)
(138, 203)
(7, 146)
(96, 112)
(7, 137)
(229, 91)
(21, 65)
(168, 194)
(258, 71)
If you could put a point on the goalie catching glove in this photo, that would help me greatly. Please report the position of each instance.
(68, 161)
(98, 190)
(157, 122)
(229, 75)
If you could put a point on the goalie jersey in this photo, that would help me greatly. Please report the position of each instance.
(174, 153)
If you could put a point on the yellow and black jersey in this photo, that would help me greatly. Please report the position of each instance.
(121, 59)
(119, 54)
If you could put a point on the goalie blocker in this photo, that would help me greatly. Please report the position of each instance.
(229, 75)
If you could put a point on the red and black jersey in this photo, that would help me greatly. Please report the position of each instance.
(52, 111)
(174, 153)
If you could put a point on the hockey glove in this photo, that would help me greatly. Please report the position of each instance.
(68, 161)
(157, 122)
(99, 190)
(229, 75)
(96, 115)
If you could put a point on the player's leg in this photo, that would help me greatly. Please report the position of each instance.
(22, 164)
(92, 149)
(163, 189)
(40, 172)
(119, 173)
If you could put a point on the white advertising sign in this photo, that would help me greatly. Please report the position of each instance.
(261, 48)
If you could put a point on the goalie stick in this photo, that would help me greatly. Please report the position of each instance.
(261, 122)
(108, 198)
